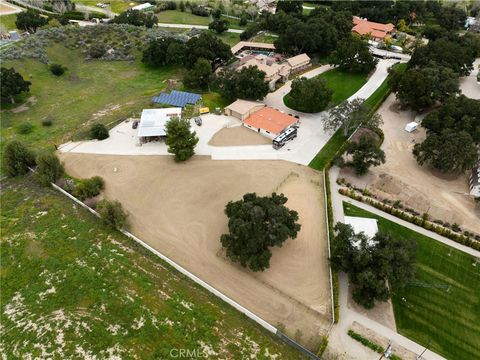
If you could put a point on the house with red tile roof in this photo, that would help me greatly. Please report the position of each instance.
(269, 122)
(377, 31)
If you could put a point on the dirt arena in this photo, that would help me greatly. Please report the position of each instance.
(419, 187)
(178, 209)
(238, 136)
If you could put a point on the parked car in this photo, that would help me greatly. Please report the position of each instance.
(134, 124)
(198, 121)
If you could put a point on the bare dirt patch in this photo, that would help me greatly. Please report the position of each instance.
(26, 105)
(179, 210)
(238, 136)
(418, 187)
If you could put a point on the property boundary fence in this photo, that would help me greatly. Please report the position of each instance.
(200, 282)
(328, 245)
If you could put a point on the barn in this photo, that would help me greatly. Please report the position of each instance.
(242, 109)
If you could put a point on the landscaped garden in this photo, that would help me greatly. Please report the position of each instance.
(72, 287)
(440, 308)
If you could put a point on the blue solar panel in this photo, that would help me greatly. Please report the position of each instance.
(177, 98)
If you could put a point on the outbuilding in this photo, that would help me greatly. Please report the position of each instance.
(144, 7)
(270, 122)
(411, 126)
(366, 225)
(474, 181)
(153, 121)
(242, 109)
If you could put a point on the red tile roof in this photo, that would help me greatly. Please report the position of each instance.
(271, 120)
(376, 30)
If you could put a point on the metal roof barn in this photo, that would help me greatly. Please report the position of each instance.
(152, 122)
(177, 98)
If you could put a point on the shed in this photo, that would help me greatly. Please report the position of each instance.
(152, 122)
(366, 225)
(242, 109)
(144, 7)
(411, 126)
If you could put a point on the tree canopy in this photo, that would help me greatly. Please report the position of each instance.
(349, 115)
(255, 225)
(199, 76)
(12, 84)
(219, 25)
(158, 52)
(309, 95)
(455, 52)
(458, 113)
(17, 158)
(248, 83)
(353, 55)
(290, 6)
(136, 18)
(420, 88)
(49, 169)
(370, 263)
(180, 140)
(30, 20)
(450, 151)
(364, 154)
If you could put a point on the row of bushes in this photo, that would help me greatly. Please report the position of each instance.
(335, 283)
(18, 160)
(323, 346)
(419, 221)
(370, 344)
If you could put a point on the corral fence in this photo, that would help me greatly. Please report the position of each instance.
(199, 281)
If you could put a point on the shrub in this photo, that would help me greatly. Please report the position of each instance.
(99, 132)
(48, 121)
(97, 50)
(49, 169)
(25, 128)
(364, 341)
(57, 69)
(112, 214)
(89, 188)
(17, 158)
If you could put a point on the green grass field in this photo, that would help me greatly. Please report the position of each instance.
(178, 17)
(7, 22)
(442, 306)
(264, 38)
(116, 6)
(74, 288)
(89, 91)
(328, 151)
(343, 84)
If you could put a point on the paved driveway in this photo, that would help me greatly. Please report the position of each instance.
(311, 136)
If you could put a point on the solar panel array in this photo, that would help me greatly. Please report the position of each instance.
(177, 98)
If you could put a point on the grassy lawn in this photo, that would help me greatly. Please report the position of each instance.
(328, 151)
(7, 22)
(116, 6)
(442, 305)
(104, 91)
(227, 37)
(265, 38)
(343, 84)
(73, 288)
(178, 17)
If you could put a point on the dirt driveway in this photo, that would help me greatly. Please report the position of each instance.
(418, 187)
(178, 209)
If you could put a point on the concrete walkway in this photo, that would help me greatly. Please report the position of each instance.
(339, 338)
(189, 26)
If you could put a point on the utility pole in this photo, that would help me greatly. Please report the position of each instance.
(388, 351)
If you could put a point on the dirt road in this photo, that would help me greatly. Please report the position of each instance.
(419, 187)
(178, 209)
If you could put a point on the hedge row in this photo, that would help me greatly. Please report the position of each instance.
(335, 285)
(370, 344)
(419, 221)
(323, 346)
